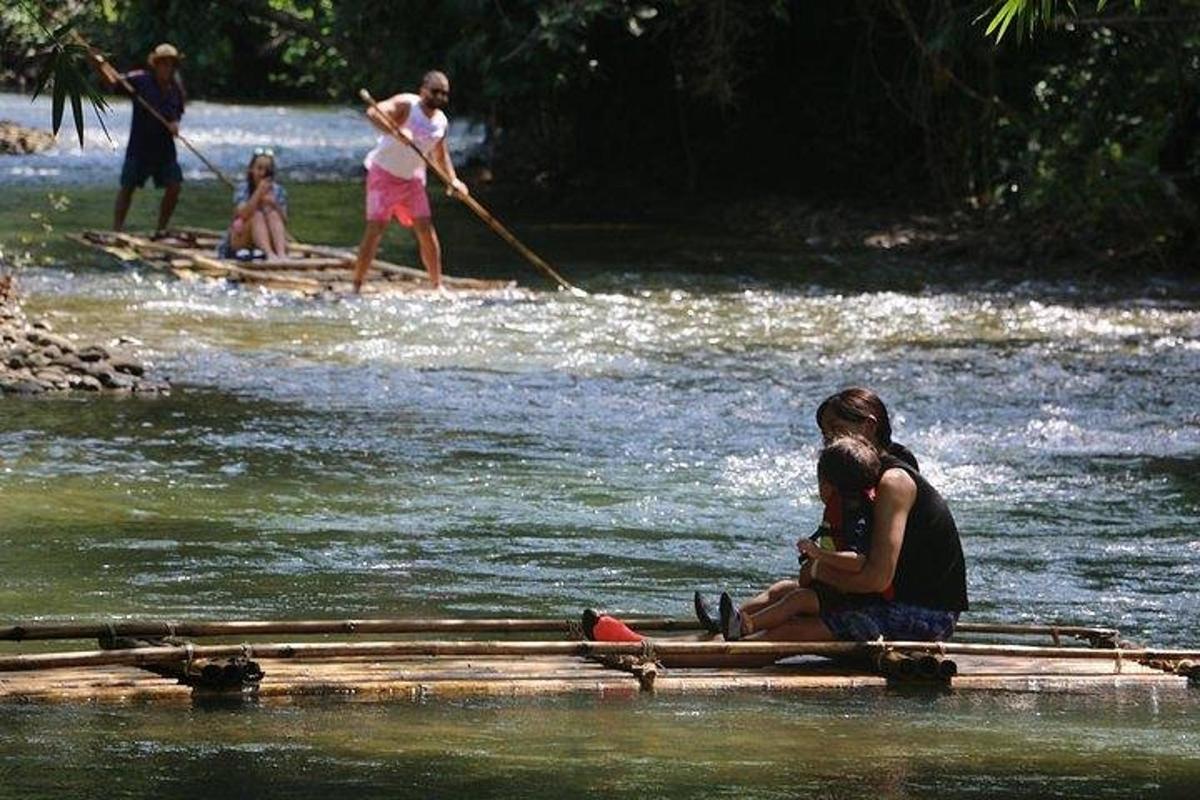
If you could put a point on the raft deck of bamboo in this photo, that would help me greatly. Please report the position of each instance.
(673, 663)
(314, 270)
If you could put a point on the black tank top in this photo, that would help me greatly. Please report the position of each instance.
(931, 571)
(904, 454)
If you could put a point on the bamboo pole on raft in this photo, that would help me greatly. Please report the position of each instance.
(42, 630)
(239, 628)
(143, 656)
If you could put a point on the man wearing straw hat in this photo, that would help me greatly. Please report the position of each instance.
(150, 152)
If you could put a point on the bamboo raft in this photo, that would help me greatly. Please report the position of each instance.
(315, 270)
(159, 661)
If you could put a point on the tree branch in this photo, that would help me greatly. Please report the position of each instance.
(283, 19)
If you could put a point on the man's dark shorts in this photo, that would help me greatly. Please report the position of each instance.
(135, 171)
(892, 621)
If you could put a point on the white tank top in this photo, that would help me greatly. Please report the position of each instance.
(397, 157)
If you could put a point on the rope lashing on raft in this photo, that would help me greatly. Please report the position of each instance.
(236, 672)
(646, 668)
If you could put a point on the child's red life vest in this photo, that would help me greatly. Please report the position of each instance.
(850, 534)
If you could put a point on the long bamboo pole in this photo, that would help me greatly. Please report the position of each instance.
(111, 75)
(43, 630)
(144, 656)
(241, 628)
(470, 202)
(1036, 630)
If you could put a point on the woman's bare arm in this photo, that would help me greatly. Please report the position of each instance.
(894, 499)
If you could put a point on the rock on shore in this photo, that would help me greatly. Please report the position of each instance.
(18, 140)
(35, 360)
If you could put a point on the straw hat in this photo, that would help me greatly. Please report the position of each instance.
(164, 50)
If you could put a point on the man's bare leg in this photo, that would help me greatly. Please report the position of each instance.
(121, 207)
(167, 207)
(367, 249)
(431, 249)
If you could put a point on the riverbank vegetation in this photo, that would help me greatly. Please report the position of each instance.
(1076, 138)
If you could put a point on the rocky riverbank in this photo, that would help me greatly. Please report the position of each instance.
(35, 360)
(18, 140)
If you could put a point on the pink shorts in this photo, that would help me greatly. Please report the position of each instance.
(389, 196)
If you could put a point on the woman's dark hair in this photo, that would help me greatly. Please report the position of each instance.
(253, 184)
(857, 404)
(850, 463)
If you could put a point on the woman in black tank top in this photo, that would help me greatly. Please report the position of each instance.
(915, 546)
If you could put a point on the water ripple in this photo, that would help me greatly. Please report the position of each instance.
(533, 452)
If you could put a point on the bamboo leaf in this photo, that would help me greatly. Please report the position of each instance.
(60, 96)
(1004, 26)
(42, 80)
(994, 22)
(77, 112)
(1004, 18)
(100, 119)
(75, 76)
(48, 71)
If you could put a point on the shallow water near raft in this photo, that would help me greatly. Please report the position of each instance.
(891, 746)
(529, 453)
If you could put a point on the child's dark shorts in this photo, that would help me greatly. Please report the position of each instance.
(892, 621)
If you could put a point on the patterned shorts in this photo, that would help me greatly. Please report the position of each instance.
(893, 621)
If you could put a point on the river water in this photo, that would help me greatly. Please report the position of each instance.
(311, 143)
(532, 453)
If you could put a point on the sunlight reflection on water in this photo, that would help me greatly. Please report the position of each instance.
(665, 433)
(310, 142)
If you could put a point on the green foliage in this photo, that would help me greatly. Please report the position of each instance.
(1091, 146)
(1093, 120)
(1030, 16)
(65, 71)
